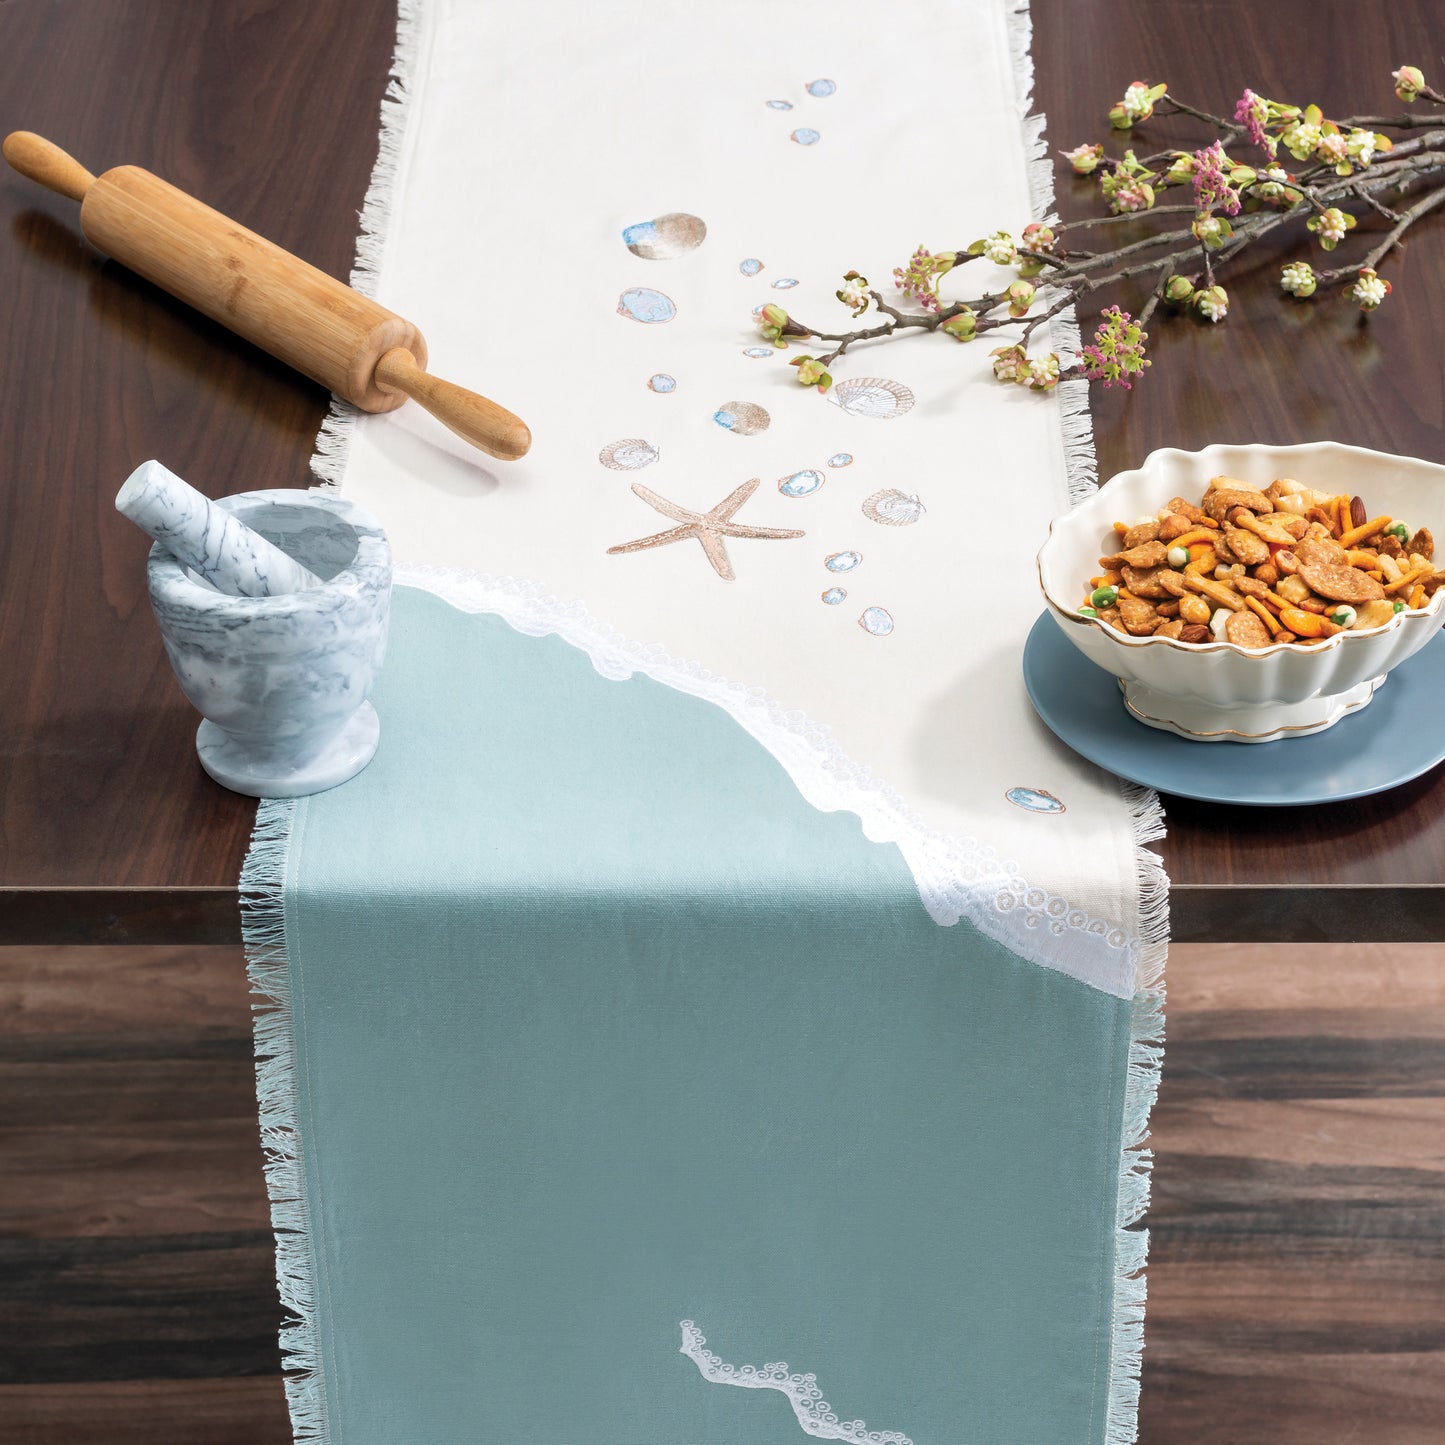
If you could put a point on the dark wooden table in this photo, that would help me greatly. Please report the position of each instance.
(1297, 1286)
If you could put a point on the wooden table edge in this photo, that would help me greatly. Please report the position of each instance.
(1199, 913)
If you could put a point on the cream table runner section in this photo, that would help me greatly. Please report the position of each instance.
(521, 142)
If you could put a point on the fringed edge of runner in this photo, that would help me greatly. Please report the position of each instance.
(1146, 1034)
(333, 441)
(263, 931)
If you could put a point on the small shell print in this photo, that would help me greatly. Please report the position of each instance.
(877, 621)
(805, 136)
(893, 508)
(785, 283)
(751, 266)
(642, 303)
(674, 234)
(1035, 800)
(821, 88)
(841, 459)
(834, 595)
(746, 418)
(628, 455)
(872, 396)
(780, 105)
(758, 353)
(842, 561)
(801, 484)
(662, 383)
(758, 309)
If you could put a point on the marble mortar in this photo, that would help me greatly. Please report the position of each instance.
(282, 681)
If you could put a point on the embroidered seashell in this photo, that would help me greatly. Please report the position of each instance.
(842, 561)
(841, 459)
(629, 455)
(805, 136)
(751, 266)
(834, 595)
(642, 303)
(872, 396)
(801, 484)
(893, 508)
(1035, 800)
(674, 234)
(759, 352)
(876, 621)
(780, 105)
(821, 88)
(746, 418)
(785, 283)
(662, 382)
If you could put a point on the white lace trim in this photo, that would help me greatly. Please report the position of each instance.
(956, 877)
(814, 1413)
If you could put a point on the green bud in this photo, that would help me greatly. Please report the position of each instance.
(1178, 290)
(962, 327)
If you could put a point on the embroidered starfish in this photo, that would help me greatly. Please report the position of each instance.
(708, 527)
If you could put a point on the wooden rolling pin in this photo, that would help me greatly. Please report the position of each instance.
(310, 320)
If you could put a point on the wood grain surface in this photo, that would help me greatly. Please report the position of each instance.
(109, 831)
(1296, 1286)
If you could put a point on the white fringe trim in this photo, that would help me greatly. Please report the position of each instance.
(263, 930)
(263, 920)
(1146, 1037)
(333, 441)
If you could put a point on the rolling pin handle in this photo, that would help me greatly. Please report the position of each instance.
(42, 160)
(483, 423)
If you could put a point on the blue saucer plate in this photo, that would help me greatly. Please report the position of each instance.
(1396, 738)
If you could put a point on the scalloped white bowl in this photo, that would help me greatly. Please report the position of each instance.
(1217, 691)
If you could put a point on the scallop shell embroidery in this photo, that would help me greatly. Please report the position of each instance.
(834, 595)
(662, 383)
(842, 561)
(893, 508)
(877, 621)
(801, 484)
(628, 455)
(1036, 800)
(674, 234)
(746, 418)
(840, 459)
(642, 303)
(874, 396)
(805, 136)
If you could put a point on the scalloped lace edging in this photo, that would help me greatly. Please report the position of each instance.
(814, 1413)
(957, 877)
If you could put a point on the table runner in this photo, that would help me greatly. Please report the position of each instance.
(697, 980)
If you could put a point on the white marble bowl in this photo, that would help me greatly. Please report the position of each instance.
(1218, 691)
(282, 681)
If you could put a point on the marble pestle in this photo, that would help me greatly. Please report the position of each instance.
(216, 545)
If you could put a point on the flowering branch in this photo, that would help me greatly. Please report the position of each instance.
(1233, 202)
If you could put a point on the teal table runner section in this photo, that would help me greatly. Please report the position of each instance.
(599, 1069)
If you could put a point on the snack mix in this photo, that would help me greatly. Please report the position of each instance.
(1285, 565)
